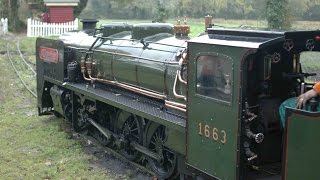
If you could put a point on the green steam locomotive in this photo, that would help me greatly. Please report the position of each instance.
(200, 108)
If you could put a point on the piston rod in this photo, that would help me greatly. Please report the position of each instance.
(108, 134)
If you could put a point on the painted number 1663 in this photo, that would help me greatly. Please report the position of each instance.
(213, 133)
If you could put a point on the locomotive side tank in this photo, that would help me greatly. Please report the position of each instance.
(205, 108)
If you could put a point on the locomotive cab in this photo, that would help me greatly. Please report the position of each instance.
(233, 115)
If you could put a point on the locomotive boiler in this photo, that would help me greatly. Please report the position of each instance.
(204, 107)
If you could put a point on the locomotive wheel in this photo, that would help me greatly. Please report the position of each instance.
(131, 131)
(166, 168)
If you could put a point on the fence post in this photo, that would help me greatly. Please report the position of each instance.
(2, 26)
(6, 27)
(29, 27)
(76, 24)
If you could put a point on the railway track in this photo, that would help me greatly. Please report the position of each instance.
(24, 71)
(26, 61)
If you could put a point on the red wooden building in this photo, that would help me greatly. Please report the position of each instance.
(60, 11)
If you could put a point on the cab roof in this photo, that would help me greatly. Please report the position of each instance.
(253, 39)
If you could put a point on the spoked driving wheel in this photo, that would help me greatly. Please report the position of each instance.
(166, 167)
(131, 132)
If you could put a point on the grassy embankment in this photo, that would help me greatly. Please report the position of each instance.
(33, 147)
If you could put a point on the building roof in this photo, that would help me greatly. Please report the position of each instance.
(61, 2)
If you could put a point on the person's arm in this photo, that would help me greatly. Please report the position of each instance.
(303, 98)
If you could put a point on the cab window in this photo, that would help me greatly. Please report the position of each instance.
(310, 64)
(214, 77)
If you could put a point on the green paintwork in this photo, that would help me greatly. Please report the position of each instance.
(205, 154)
(104, 65)
(124, 69)
(125, 60)
(302, 148)
(176, 140)
(151, 75)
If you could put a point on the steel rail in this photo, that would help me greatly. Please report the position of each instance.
(15, 69)
(18, 48)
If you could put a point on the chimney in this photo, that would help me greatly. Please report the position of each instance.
(89, 24)
(207, 22)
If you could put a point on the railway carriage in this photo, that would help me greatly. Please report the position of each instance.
(206, 107)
